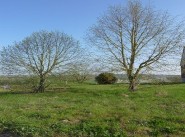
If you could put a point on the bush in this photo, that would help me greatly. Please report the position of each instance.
(106, 78)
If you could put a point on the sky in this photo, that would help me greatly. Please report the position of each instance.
(20, 18)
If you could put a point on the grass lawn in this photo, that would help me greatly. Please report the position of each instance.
(95, 110)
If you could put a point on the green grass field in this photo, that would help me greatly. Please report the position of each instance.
(85, 110)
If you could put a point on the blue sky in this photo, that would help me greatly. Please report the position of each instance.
(19, 18)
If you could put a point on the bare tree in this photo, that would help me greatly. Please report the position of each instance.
(40, 54)
(135, 37)
(79, 72)
(83, 69)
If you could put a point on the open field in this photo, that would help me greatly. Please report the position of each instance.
(95, 110)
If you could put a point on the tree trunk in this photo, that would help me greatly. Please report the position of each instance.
(132, 84)
(41, 87)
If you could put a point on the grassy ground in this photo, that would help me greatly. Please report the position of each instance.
(95, 110)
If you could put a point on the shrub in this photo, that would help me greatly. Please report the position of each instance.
(106, 78)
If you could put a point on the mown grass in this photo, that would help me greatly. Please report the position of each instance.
(95, 110)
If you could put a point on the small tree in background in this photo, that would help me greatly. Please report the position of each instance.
(80, 72)
(106, 78)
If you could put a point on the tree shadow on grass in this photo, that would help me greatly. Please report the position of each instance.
(8, 134)
(51, 90)
(163, 83)
(16, 92)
